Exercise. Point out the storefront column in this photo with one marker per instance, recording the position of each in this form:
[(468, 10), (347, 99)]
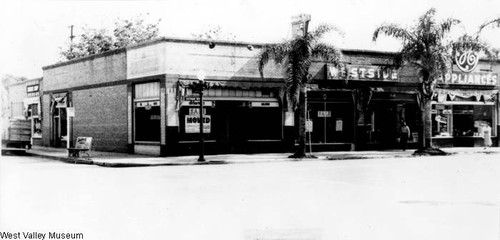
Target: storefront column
[(172, 120), (163, 93), (130, 117), (498, 119)]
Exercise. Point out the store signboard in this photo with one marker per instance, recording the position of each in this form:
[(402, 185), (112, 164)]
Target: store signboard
[(365, 73), (192, 123), (476, 78)]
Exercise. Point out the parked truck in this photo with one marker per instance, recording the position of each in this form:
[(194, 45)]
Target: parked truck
[(19, 134)]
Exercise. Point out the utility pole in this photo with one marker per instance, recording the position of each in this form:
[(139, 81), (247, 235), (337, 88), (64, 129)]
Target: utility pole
[(71, 36)]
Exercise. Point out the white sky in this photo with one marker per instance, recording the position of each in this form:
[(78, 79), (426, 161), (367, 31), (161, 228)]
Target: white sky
[(33, 31)]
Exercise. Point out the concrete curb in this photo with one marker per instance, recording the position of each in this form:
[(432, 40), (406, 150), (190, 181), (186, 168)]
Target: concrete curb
[(64, 159), (124, 165), (219, 162)]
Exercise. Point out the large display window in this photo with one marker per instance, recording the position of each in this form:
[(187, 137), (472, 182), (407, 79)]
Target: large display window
[(462, 120), (147, 112), (332, 122)]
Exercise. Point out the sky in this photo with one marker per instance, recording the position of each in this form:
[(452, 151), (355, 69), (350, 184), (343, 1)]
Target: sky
[(33, 32)]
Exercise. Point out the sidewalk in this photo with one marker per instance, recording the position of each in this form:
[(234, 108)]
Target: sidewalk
[(112, 159)]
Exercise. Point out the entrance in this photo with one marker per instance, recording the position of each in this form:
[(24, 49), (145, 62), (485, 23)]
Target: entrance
[(241, 128)]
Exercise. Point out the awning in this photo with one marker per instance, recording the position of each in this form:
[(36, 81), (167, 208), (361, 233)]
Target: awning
[(185, 84), (442, 95), (234, 84)]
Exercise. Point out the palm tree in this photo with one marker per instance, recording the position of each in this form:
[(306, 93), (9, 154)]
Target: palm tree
[(493, 23), (425, 45), (296, 56)]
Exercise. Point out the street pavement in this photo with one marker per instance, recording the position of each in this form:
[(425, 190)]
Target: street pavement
[(448, 197), (111, 159)]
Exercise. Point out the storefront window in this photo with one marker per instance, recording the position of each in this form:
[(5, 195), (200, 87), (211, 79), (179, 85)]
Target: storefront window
[(332, 122), (37, 127), (147, 119), (461, 120), (147, 112), (442, 118), (33, 110)]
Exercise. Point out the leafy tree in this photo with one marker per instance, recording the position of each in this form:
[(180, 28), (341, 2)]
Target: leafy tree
[(214, 33), (296, 56), (125, 33), (6, 81), (425, 45)]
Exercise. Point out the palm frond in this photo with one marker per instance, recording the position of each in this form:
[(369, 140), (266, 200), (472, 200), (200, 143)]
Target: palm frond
[(446, 26), (393, 30), (278, 52), (473, 43), (327, 52), (322, 29), (493, 23)]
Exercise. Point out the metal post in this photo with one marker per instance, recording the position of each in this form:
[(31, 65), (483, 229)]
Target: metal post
[(202, 140)]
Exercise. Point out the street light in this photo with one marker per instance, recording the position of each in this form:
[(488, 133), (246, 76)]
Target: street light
[(199, 87)]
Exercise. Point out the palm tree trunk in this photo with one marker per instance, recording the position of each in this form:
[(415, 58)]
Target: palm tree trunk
[(301, 150), (426, 124), (428, 127)]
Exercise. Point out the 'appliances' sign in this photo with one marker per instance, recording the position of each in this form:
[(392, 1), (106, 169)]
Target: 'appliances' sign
[(487, 79), (366, 73)]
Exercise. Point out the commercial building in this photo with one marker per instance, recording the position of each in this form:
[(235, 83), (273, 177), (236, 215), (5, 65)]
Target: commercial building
[(466, 100), (140, 99), (22, 101)]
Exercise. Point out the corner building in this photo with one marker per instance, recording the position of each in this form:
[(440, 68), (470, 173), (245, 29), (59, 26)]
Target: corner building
[(140, 99)]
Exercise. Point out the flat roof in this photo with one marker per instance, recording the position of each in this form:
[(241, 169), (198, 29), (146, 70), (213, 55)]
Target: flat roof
[(206, 41)]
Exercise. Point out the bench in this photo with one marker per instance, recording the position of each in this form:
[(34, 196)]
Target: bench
[(82, 146)]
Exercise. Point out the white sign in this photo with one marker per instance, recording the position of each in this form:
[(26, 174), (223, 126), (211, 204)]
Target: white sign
[(196, 111), (324, 114), (339, 125), (476, 78), (70, 111), (358, 72), (193, 124), (289, 119), (309, 125)]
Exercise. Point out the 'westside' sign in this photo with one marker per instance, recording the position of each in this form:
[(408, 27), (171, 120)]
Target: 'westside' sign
[(366, 73)]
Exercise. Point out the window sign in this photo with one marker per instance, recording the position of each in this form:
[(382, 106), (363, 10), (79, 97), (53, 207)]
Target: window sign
[(193, 123), (70, 111), (37, 127), (196, 111), (309, 125), (339, 125), (324, 114)]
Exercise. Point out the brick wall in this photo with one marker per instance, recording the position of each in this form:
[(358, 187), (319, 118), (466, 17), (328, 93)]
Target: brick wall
[(101, 113), (96, 69)]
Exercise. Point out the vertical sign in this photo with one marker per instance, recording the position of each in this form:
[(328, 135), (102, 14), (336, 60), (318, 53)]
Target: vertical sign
[(309, 125)]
